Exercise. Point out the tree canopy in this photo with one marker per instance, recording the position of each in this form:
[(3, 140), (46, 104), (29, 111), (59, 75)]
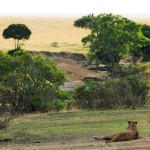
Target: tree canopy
[(17, 32), (111, 38), (146, 48), (25, 77)]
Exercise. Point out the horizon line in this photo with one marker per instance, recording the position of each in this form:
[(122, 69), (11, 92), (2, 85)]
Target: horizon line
[(128, 15)]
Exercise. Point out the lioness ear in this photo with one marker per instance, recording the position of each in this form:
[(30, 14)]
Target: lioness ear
[(129, 122), (135, 122)]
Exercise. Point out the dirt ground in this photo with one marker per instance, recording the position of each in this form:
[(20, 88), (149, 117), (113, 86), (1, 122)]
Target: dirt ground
[(140, 144), (75, 71)]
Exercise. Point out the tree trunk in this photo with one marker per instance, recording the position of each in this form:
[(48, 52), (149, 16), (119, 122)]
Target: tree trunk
[(112, 66), (15, 43), (134, 59)]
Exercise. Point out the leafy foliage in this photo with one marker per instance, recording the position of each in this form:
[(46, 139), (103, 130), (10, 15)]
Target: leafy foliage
[(112, 37), (26, 80), (6, 118), (84, 22), (122, 71), (146, 48), (130, 89)]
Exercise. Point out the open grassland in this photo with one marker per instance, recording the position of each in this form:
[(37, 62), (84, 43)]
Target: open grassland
[(73, 126), (47, 30)]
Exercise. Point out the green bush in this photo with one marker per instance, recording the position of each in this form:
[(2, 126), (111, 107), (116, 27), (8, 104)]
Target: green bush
[(64, 95), (55, 106), (18, 51), (146, 57), (121, 71), (113, 93), (63, 101), (58, 105), (70, 104), (37, 104), (28, 82)]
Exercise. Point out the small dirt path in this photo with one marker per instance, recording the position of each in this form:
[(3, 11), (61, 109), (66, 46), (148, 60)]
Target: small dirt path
[(140, 144)]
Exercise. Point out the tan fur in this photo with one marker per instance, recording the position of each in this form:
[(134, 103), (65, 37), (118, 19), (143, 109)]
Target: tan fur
[(129, 134)]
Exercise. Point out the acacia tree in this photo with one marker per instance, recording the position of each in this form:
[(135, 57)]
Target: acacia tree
[(111, 38), (17, 32)]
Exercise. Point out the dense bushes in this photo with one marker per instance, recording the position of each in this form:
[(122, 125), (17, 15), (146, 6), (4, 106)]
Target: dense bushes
[(31, 83), (122, 71), (131, 91), (28, 83)]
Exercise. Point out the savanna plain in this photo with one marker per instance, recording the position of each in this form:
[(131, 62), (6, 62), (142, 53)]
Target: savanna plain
[(74, 129)]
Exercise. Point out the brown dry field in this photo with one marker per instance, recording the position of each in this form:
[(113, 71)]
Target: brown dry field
[(45, 31)]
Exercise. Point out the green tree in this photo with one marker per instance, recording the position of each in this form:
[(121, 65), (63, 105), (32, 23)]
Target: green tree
[(107, 38), (136, 39), (25, 77), (146, 48), (111, 38), (85, 22), (146, 30), (17, 32)]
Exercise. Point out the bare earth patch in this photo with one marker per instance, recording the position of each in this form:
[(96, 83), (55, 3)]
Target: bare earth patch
[(140, 144), (75, 71)]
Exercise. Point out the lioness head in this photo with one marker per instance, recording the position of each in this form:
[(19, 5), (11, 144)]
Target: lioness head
[(132, 125)]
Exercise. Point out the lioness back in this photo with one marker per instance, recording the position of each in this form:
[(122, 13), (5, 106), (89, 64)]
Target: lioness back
[(129, 134)]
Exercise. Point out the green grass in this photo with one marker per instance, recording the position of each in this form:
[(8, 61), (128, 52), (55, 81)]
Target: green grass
[(70, 126)]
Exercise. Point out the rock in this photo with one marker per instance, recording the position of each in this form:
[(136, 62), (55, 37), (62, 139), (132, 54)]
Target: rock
[(93, 78)]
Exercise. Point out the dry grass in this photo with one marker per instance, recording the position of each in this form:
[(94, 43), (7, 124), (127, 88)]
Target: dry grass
[(45, 31), (143, 21)]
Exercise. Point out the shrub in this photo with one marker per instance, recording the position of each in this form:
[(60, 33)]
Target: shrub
[(121, 71), (6, 115), (54, 44), (64, 95), (62, 101), (28, 82), (58, 105), (70, 104), (37, 104), (18, 51), (113, 93)]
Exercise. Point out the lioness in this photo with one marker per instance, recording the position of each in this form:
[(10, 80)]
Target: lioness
[(129, 134)]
